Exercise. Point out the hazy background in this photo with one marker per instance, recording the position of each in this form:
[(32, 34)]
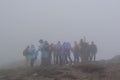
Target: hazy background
[(24, 22)]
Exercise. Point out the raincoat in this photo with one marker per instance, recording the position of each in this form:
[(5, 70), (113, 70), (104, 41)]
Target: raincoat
[(42, 48), (33, 54)]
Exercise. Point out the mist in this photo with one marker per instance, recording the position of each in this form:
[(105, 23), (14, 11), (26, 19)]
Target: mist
[(25, 22)]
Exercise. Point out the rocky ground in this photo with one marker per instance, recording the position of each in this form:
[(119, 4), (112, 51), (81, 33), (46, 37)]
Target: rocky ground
[(88, 71)]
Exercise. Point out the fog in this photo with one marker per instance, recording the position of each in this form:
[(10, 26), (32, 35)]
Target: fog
[(24, 22)]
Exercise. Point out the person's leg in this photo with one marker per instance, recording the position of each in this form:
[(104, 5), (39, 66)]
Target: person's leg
[(60, 59), (41, 61), (27, 60), (63, 59), (90, 57), (50, 59), (44, 61), (75, 58), (31, 62), (87, 57), (54, 58), (66, 58), (57, 58), (84, 57), (69, 57), (77, 55), (42, 58), (94, 57)]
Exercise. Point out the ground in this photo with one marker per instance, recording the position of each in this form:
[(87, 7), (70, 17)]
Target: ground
[(89, 71)]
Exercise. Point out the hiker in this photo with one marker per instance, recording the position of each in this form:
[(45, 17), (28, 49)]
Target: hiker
[(63, 56), (76, 52), (33, 55), (54, 53), (44, 55), (50, 51), (93, 51), (83, 50), (57, 53), (66, 53), (86, 54), (69, 52), (47, 52), (26, 53)]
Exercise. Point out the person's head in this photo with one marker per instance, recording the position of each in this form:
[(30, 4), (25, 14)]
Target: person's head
[(92, 42), (68, 42), (75, 42), (87, 43), (32, 46), (81, 41), (52, 44), (59, 42), (64, 42), (41, 41), (84, 39), (28, 46), (46, 42)]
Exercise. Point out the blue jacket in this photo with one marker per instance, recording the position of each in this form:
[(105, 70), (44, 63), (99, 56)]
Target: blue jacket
[(33, 54), (42, 48)]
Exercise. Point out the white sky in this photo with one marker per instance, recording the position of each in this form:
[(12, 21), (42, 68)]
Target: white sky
[(24, 22)]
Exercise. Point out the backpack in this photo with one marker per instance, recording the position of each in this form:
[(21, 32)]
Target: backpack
[(25, 52)]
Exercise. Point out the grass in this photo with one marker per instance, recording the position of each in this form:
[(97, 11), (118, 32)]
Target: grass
[(90, 68), (6, 71), (11, 70), (69, 75)]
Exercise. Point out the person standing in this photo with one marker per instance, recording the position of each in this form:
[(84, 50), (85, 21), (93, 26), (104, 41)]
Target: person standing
[(44, 55), (67, 49), (93, 51), (83, 51), (33, 55), (58, 52), (26, 53), (47, 52), (69, 52), (50, 51), (76, 51), (54, 54), (63, 55)]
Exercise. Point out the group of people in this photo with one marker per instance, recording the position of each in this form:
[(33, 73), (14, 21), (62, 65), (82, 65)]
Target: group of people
[(61, 53)]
